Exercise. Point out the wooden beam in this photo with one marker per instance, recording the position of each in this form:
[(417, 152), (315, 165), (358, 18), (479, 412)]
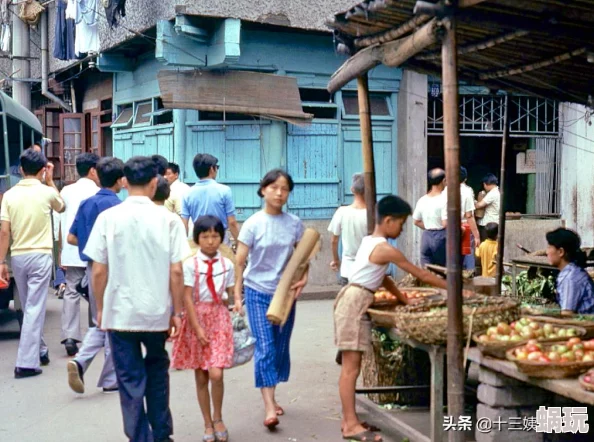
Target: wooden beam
[(479, 46), (392, 54), (501, 231), (532, 66), (451, 137), (367, 149)]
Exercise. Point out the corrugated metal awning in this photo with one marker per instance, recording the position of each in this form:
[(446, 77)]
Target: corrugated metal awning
[(242, 92)]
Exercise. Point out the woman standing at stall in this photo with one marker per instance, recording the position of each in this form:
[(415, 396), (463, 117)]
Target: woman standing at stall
[(267, 240)]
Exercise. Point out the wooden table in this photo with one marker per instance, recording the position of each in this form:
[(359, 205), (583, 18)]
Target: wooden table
[(436, 357), (569, 388)]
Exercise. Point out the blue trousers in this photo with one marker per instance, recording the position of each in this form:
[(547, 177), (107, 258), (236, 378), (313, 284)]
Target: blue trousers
[(143, 378), (433, 247), (272, 361)]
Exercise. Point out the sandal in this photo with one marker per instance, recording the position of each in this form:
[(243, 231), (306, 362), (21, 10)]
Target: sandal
[(364, 436), (220, 436), (209, 437)]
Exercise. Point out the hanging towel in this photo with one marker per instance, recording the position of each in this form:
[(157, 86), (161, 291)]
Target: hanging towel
[(64, 40), (114, 10), (87, 32), (5, 38)]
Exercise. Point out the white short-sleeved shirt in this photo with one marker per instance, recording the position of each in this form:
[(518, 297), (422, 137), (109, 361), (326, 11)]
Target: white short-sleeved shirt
[(466, 201), (492, 199), (138, 241), (428, 210), (366, 273), (73, 195), (351, 225), (222, 272), (271, 240)]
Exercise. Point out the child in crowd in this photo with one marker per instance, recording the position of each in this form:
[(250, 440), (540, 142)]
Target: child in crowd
[(205, 342), (575, 290), (351, 322), (487, 251)]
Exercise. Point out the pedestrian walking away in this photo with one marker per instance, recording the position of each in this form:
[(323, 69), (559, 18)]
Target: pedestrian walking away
[(267, 241), (141, 247), (26, 226), (207, 197), (86, 186), (111, 173), (349, 226), (205, 341), (427, 216), (352, 324)]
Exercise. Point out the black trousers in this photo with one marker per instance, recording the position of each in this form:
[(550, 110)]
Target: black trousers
[(143, 378)]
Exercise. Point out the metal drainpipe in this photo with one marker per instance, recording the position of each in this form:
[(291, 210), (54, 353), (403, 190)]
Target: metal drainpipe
[(45, 66)]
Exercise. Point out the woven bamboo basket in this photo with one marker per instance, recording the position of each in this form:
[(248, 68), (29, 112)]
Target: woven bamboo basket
[(499, 349), (427, 322), (549, 370), (427, 293), (30, 12), (585, 385), (585, 324)]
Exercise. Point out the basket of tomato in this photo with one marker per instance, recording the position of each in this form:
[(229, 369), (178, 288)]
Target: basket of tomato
[(553, 360), (587, 380)]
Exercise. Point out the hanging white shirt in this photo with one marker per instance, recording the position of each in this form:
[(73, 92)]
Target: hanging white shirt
[(138, 241), (73, 195)]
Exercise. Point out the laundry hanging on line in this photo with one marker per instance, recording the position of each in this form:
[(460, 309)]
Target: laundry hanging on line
[(64, 33), (114, 11)]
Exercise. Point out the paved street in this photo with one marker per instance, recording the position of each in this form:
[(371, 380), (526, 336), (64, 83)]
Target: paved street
[(45, 409)]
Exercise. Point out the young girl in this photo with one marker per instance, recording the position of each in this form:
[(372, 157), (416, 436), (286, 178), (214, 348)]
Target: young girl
[(205, 342), (268, 237), (575, 290)]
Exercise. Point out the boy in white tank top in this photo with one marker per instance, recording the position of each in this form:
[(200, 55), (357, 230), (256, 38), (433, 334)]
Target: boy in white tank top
[(352, 325)]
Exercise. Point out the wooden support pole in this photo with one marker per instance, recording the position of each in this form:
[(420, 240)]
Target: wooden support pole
[(456, 373), (501, 232), (392, 54), (393, 34), (367, 149)]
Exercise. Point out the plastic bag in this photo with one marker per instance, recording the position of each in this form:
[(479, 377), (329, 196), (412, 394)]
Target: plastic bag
[(244, 344)]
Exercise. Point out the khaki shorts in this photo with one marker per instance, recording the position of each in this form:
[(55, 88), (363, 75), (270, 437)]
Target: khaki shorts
[(352, 325)]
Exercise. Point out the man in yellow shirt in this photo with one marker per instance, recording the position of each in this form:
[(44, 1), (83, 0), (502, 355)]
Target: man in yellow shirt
[(178, 189), (25, 219), (487, 251)]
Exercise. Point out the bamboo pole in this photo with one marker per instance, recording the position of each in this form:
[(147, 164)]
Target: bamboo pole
[(480, 46), (501, 232), (532, 66), (454, 257), (393, 34), (367, 149)]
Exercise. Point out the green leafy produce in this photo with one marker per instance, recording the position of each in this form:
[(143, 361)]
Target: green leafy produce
[(531, 290)]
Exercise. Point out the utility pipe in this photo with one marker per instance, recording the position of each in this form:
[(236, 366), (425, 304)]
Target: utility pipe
[(21, 65), (45, 65)]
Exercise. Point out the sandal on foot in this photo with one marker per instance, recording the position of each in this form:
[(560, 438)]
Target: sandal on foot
[(279, 411), (209, 437), (364, 436), (221, 436), (370, 427), (271, 423)]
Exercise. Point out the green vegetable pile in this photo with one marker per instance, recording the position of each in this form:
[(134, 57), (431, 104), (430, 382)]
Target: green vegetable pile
[(536, 290)]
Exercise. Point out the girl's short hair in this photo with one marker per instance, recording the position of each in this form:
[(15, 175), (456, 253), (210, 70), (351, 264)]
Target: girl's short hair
[(207, 223), (570, 242), (271, 177)]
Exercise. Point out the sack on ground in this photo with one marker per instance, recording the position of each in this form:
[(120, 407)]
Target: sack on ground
[(244, 344)]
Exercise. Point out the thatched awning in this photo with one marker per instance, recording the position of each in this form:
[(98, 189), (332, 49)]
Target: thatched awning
[(537, 47), (242, 92)]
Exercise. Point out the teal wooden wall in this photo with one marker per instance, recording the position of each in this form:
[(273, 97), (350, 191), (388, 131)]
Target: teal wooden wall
[(321, 157)]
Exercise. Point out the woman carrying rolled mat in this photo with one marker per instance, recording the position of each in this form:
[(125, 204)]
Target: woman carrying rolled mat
[(267, 240)]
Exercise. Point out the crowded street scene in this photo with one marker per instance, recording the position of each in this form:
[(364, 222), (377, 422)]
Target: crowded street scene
[(296, 221)]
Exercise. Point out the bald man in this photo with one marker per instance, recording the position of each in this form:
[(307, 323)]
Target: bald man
[(427, 216)]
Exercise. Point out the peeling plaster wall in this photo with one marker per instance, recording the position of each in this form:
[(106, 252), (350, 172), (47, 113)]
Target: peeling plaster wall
[(577, 173)]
